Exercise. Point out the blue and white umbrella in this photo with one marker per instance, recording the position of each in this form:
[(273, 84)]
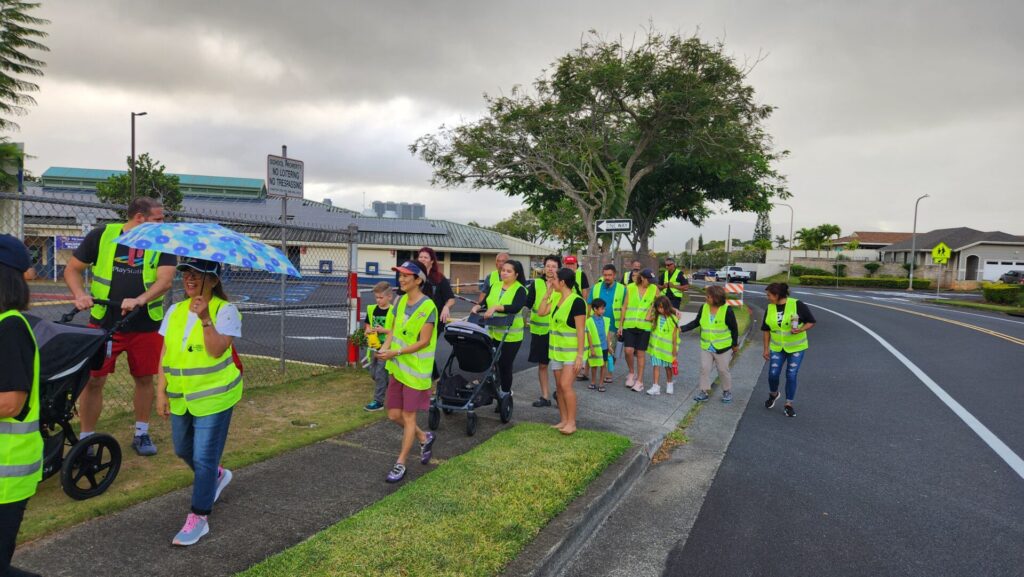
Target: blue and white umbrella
[(208, 241)]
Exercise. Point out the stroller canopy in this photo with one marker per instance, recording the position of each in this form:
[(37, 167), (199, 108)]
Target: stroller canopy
[(64, 350)]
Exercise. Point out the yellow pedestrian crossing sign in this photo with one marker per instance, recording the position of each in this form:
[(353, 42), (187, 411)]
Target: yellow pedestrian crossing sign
[(940, 254)]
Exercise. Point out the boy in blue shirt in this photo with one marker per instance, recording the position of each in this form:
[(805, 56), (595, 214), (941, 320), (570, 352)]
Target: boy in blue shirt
[(598, 329)]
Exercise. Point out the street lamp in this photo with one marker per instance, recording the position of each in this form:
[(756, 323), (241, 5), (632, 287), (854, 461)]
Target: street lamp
[(134, 114), (913, 244), (790, 268)]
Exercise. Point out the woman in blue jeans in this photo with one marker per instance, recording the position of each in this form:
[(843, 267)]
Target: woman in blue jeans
[(785, 326), (199, 385)]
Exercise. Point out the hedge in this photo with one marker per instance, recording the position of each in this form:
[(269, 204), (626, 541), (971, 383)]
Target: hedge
[(800, 270), (896, 283), (1002, 294)]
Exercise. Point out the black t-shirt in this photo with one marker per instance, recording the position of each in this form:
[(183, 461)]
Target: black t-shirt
[(440, 292), (379, 318), (126, 282), (802, 311), (17, 357), (579, 308)]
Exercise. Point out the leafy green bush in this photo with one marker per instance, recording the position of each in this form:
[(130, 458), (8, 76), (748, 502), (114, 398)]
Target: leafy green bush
[(798, 270), (872, 267), (1002, 294), (897, 283), (840, 269), (906, 267)]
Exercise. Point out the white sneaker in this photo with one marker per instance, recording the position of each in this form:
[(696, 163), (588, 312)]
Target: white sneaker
[(668, 388), (655, 390), (629, 380)]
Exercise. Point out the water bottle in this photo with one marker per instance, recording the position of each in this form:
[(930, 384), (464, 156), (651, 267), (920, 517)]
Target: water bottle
[(794, 323), (611, 363), (675, 367)]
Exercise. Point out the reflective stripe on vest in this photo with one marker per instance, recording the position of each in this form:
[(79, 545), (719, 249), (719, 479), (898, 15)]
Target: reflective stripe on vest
[(541, 325), (563, 344), (21, 443), (781, 338), (714, 333), (496, 297), (595, 354), (103, 272), (638, 307), (196, 382), (412, 370), (660, 346)]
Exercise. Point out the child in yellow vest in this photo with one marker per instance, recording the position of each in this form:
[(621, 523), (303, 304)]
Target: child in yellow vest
[(598, 333), (664, 345), (376, 317)]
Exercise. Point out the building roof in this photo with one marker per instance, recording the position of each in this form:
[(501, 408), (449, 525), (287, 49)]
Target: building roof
[(191, 184), (955, 238), (873, 238)]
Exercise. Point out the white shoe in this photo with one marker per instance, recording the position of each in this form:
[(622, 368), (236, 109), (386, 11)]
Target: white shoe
[(654, 391), (629, 380), (668, 388)]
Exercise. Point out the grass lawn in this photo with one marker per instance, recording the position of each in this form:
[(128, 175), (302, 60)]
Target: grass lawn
[(979, 306), (470, 516), (269, 420), (781, 277)]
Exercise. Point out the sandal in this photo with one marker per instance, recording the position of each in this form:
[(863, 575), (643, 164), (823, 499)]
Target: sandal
[(600, 389), (608, 380), (591, 386)]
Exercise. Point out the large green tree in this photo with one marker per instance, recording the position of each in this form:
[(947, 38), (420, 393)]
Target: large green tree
[(19, 32), (150, 180), (599, 128), (523, 224)]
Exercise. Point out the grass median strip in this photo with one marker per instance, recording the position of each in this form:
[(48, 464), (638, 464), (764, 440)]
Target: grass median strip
[(268, 421), (470, 516)]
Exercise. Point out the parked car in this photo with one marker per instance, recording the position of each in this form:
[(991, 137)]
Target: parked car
[(733, 274), (701, 274), (1013, 277)]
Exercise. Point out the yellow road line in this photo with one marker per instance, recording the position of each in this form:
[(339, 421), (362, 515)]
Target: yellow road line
[(991, 332)]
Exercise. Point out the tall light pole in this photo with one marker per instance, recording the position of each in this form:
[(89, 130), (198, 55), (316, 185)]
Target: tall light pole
[(134, 114), (913, 244), (788, 269)]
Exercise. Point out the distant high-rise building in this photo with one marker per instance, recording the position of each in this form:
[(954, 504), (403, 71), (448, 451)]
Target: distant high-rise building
[(398, 209)]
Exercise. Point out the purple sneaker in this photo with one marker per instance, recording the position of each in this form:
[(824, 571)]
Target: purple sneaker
[(426, 449), (396, 474)]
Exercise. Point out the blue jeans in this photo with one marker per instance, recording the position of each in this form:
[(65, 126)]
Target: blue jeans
[(199, 441), (792, 361)]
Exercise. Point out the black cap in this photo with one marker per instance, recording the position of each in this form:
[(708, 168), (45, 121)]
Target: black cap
[(14, 254), (647, 274), (200, 265)]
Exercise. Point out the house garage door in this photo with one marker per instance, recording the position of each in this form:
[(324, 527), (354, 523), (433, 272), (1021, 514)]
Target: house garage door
[(997, 268)]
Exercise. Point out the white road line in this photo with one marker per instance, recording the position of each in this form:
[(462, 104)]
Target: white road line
[(1004, 452)]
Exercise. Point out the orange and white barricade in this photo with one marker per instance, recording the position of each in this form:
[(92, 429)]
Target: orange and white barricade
[(734, 293)]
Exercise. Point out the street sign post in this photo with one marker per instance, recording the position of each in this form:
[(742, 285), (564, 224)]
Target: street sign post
[(284, 176), (940, 254), (615, 225)]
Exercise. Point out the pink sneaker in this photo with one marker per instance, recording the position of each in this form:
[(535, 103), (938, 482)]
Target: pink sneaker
[(638, 387), (629, 380)]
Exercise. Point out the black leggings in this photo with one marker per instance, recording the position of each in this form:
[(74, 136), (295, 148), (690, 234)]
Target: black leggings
[(508, 358), (10, 521)]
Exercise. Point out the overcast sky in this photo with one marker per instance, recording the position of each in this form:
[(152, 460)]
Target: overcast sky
[(878, 102)]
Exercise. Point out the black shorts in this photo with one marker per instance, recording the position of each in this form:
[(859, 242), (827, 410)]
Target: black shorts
[(636, 339), (539, 349)]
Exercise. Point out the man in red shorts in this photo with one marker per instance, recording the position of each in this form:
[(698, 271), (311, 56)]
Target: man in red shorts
[(138, 279)]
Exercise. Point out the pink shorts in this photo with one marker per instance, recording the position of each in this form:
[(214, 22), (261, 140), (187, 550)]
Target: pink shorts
[(408, 399)]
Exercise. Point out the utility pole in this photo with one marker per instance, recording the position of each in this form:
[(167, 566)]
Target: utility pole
[(913, 244)]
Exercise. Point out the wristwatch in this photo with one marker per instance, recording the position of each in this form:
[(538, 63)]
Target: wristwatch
[(207, 324)]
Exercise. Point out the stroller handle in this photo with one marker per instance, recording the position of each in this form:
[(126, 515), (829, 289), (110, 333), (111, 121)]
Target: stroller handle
[(502, 321), (70, 315)]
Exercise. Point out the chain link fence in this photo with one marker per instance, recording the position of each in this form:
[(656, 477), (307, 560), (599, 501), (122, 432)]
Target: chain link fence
[(292, 327)]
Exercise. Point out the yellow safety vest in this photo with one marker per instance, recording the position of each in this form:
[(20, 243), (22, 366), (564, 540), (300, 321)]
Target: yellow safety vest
[(103, 272), (636, 313), (661, 346), (714, 333), (674, 280), (781, 338), (413, 370), (541, 325), (495, 297), (563, 343), (595, 354), (617, 299), (21, 443), (197, 383)]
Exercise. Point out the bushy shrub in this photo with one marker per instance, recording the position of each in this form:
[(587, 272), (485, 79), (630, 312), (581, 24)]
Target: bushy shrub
[(906, 267), (799, 270), (1002, 294), (840, 269), (872, 267), (896, 283)]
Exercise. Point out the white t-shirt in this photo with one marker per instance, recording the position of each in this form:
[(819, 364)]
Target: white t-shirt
[(228, 323)]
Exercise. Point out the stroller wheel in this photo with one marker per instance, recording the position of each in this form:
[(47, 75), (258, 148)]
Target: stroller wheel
[(91, 466), (505, 409), (433, 418), (470, 424)]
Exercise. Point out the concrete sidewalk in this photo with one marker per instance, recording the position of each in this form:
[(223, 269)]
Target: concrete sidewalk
[(276, 504)]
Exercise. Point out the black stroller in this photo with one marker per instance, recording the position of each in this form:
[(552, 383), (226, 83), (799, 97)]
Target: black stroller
[(474, 383), (66, 354)]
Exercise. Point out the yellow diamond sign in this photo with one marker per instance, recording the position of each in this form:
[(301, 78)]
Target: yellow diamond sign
[(940, 254)]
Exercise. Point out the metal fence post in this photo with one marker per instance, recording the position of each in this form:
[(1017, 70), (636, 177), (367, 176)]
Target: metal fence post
[(353, 291), (284, 249)]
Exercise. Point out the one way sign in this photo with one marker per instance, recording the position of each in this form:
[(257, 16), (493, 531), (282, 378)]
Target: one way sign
[(613, 225)]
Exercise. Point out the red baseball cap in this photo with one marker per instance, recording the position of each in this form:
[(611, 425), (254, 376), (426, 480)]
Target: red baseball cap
[(570, 259)]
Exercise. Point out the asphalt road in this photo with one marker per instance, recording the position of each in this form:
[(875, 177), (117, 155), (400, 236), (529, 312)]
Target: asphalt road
[(877, 475)]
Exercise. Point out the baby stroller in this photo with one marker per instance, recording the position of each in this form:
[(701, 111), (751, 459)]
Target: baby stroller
[(475, 382), (66, 354)]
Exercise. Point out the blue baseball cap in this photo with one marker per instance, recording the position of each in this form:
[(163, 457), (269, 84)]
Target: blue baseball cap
[(200, 265), (410, 267), (14, 254)]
